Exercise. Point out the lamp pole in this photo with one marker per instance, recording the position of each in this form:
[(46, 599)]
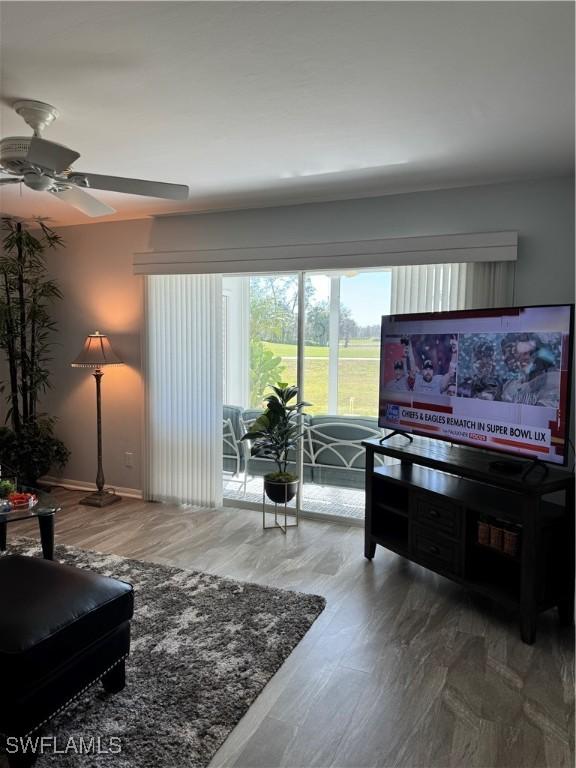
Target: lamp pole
[(98, 373), (95, 354)]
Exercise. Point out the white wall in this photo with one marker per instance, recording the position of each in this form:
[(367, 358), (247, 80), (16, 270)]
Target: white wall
[(95, 273)]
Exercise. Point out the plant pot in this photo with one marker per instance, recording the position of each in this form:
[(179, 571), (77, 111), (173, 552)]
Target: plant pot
[(280, 492)]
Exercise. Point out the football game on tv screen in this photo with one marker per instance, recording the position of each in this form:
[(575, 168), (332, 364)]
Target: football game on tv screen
[(495, 379)]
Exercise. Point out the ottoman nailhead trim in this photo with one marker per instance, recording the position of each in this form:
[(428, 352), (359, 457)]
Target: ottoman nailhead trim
[(73, 698)]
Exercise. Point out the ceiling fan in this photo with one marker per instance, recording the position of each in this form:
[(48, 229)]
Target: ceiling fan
[(44, 166)]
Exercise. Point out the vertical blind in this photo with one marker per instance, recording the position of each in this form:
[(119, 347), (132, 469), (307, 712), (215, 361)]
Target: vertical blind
[(442, 287), (184, 407)]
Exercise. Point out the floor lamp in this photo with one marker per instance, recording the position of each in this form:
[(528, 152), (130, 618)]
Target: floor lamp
[(97, 353)]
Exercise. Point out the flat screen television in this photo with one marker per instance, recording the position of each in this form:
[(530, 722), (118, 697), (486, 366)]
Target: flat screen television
[(494, 378)]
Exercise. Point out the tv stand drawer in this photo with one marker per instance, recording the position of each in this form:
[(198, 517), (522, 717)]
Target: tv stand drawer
[(440, 515), (436, 551)]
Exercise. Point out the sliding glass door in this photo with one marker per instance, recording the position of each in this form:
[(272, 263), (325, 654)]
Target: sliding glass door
[(260, 326), (339, 379), (341, 355)]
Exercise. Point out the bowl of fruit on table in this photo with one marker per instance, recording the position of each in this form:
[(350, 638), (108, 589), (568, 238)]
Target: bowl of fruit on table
[(21, 500)]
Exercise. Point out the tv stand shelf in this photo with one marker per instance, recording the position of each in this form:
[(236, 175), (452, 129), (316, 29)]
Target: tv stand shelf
[(436, 502)]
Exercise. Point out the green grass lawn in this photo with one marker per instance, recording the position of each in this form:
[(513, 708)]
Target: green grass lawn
[(357, 378), (356, 348)]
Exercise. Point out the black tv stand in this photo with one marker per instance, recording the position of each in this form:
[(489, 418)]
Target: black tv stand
[(536, 464), (525, 469), (394, 433), (508, 467), (444, 507)]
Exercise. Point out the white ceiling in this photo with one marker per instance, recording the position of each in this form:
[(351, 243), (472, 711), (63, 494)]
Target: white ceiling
[(254, 103)]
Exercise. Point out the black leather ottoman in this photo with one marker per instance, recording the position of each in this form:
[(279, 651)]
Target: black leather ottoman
[(61, 630)]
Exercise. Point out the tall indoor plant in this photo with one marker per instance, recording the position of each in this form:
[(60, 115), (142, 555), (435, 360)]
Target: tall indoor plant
[(273, 435), (28, 445)]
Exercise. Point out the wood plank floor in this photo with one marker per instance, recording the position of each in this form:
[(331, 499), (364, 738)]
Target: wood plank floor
[(403, 668)]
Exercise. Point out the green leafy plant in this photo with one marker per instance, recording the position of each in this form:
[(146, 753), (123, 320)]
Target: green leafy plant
[(32, 451), (6, 487), (276, 432), (26, 338), (265, 366)]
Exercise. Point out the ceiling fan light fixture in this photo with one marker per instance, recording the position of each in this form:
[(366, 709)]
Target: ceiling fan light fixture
[(38, 182)]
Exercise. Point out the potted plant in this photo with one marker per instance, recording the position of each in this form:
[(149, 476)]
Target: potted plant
[(273, 435), (6, 488), (27, 331)]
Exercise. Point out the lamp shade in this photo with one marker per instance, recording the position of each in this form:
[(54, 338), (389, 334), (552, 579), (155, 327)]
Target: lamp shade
[(96, 353)]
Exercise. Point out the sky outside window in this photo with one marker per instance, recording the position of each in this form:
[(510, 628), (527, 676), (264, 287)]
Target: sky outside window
[(365, 294)]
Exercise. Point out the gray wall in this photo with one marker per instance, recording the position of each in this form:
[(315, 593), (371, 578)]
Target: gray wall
[(101, 293), (542, 211)]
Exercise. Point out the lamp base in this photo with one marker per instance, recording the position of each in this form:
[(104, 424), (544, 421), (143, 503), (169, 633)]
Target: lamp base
[(100, 499)]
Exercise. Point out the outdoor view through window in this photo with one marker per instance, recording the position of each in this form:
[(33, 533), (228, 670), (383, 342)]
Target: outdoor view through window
[(341, 376), (342, 338)]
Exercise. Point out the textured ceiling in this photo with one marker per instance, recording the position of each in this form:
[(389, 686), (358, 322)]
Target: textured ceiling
[(268, 103)]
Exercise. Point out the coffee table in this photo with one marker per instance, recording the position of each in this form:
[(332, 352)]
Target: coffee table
[(43, 511)]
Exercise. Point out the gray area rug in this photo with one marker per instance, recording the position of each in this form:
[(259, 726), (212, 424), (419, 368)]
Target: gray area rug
[(203, 648)]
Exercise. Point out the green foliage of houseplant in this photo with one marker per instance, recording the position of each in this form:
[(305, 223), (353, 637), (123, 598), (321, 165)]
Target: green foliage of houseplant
[(32, 451), (6, 487), (28, 445), (276, 432)]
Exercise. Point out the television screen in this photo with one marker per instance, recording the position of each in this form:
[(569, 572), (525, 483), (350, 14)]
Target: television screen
[(495, 378)]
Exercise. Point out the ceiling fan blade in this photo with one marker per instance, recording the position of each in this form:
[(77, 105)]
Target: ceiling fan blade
[(84, 202), (132, 186), (49, 155), (10, 181)]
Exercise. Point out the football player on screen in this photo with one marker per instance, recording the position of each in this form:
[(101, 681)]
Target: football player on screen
[(426, 380), (537, 380)]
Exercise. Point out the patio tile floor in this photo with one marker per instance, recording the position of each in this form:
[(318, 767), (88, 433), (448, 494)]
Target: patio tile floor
[(320, 499)]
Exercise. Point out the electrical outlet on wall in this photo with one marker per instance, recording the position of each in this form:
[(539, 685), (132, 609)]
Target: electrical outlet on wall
[(128, 459)]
